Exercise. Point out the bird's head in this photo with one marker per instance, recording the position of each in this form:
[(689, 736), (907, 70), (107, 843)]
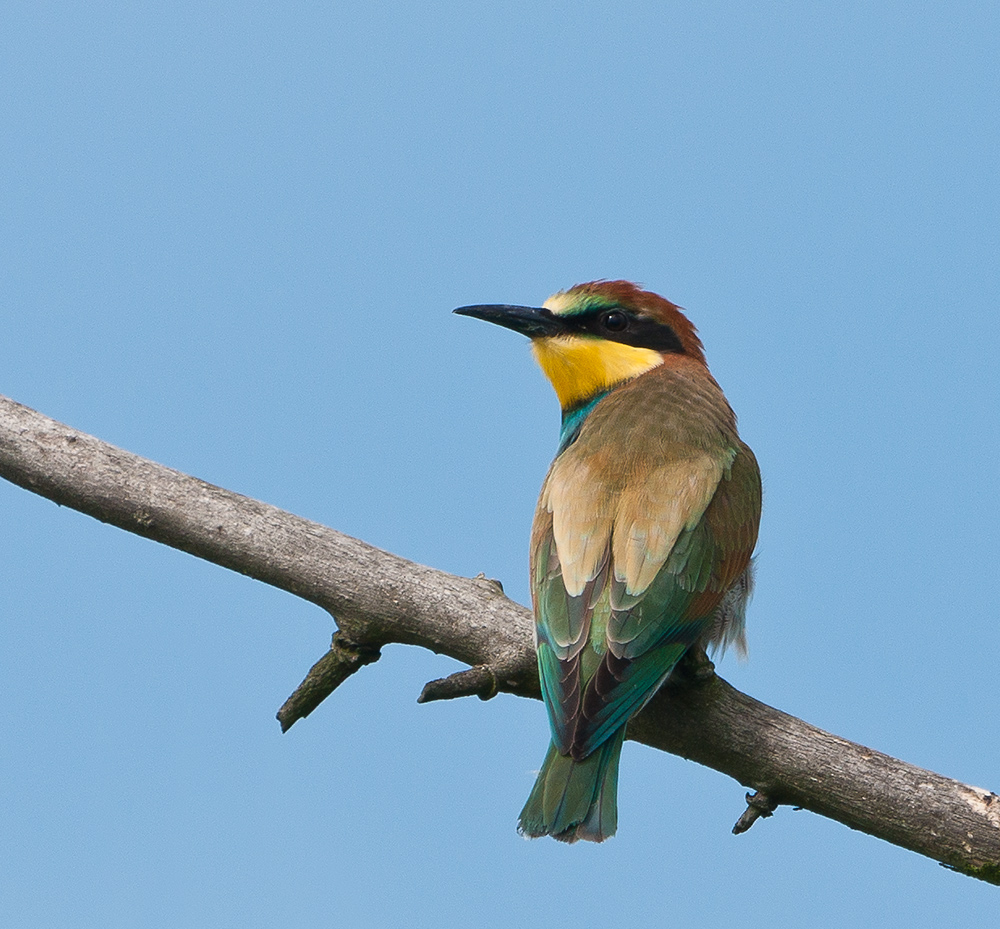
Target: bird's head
[(595, 336)]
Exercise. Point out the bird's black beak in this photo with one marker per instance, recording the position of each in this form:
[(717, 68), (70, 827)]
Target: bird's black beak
[(532, 321)]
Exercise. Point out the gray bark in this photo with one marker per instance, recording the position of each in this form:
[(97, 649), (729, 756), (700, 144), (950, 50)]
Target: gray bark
[(377, 598)]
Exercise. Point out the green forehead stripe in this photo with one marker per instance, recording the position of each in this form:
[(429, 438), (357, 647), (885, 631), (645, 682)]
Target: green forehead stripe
[(570, 304)]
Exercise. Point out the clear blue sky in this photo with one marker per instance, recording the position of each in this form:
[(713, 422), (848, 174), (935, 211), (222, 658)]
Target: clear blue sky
[(231, 238)]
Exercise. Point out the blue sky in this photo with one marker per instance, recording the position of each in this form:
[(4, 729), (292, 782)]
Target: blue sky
[(232, 235)]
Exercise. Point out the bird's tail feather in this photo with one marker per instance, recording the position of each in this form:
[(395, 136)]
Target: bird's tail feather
[(574, 800)]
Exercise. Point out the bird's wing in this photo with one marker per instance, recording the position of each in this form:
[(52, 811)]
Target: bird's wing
[(634, 569), (570, 558), (733, 518), (650, 629)]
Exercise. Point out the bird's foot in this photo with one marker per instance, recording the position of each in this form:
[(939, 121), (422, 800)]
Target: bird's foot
[(695, 667)]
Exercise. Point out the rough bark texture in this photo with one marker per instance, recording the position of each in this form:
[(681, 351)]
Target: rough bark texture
[(377, 598)]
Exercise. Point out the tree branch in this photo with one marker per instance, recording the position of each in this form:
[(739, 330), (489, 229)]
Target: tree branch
[(324, 677), (378, 598)]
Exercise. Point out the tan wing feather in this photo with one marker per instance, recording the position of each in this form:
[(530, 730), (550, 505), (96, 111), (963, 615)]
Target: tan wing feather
[(651, 515), (582, 508)]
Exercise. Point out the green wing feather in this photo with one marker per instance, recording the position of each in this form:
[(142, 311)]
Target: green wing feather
[(646, 639)]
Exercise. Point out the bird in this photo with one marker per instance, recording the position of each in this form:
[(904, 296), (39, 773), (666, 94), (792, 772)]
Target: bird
[(642, 541)]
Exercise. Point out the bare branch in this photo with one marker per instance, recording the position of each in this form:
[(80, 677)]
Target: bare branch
[(479, 681), (378, 598), (336, 666), (759, 806)]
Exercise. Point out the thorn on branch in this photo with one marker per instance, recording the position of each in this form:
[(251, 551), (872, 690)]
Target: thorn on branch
[(489, 580), (479, 681), (758, 805), (336, 666)]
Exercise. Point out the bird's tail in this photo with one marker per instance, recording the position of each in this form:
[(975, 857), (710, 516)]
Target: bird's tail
[(574, 800)]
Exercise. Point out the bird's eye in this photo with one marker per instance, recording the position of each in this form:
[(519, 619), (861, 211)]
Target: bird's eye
[(614, 321)]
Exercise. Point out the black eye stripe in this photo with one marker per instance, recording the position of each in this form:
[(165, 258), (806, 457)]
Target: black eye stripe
[(629, 329)]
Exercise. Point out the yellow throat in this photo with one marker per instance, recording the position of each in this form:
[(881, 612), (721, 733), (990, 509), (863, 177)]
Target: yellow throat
[(580, 367)]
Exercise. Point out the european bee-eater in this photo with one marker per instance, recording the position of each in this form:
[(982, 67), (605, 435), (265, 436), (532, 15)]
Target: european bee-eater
[(642, 539)]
